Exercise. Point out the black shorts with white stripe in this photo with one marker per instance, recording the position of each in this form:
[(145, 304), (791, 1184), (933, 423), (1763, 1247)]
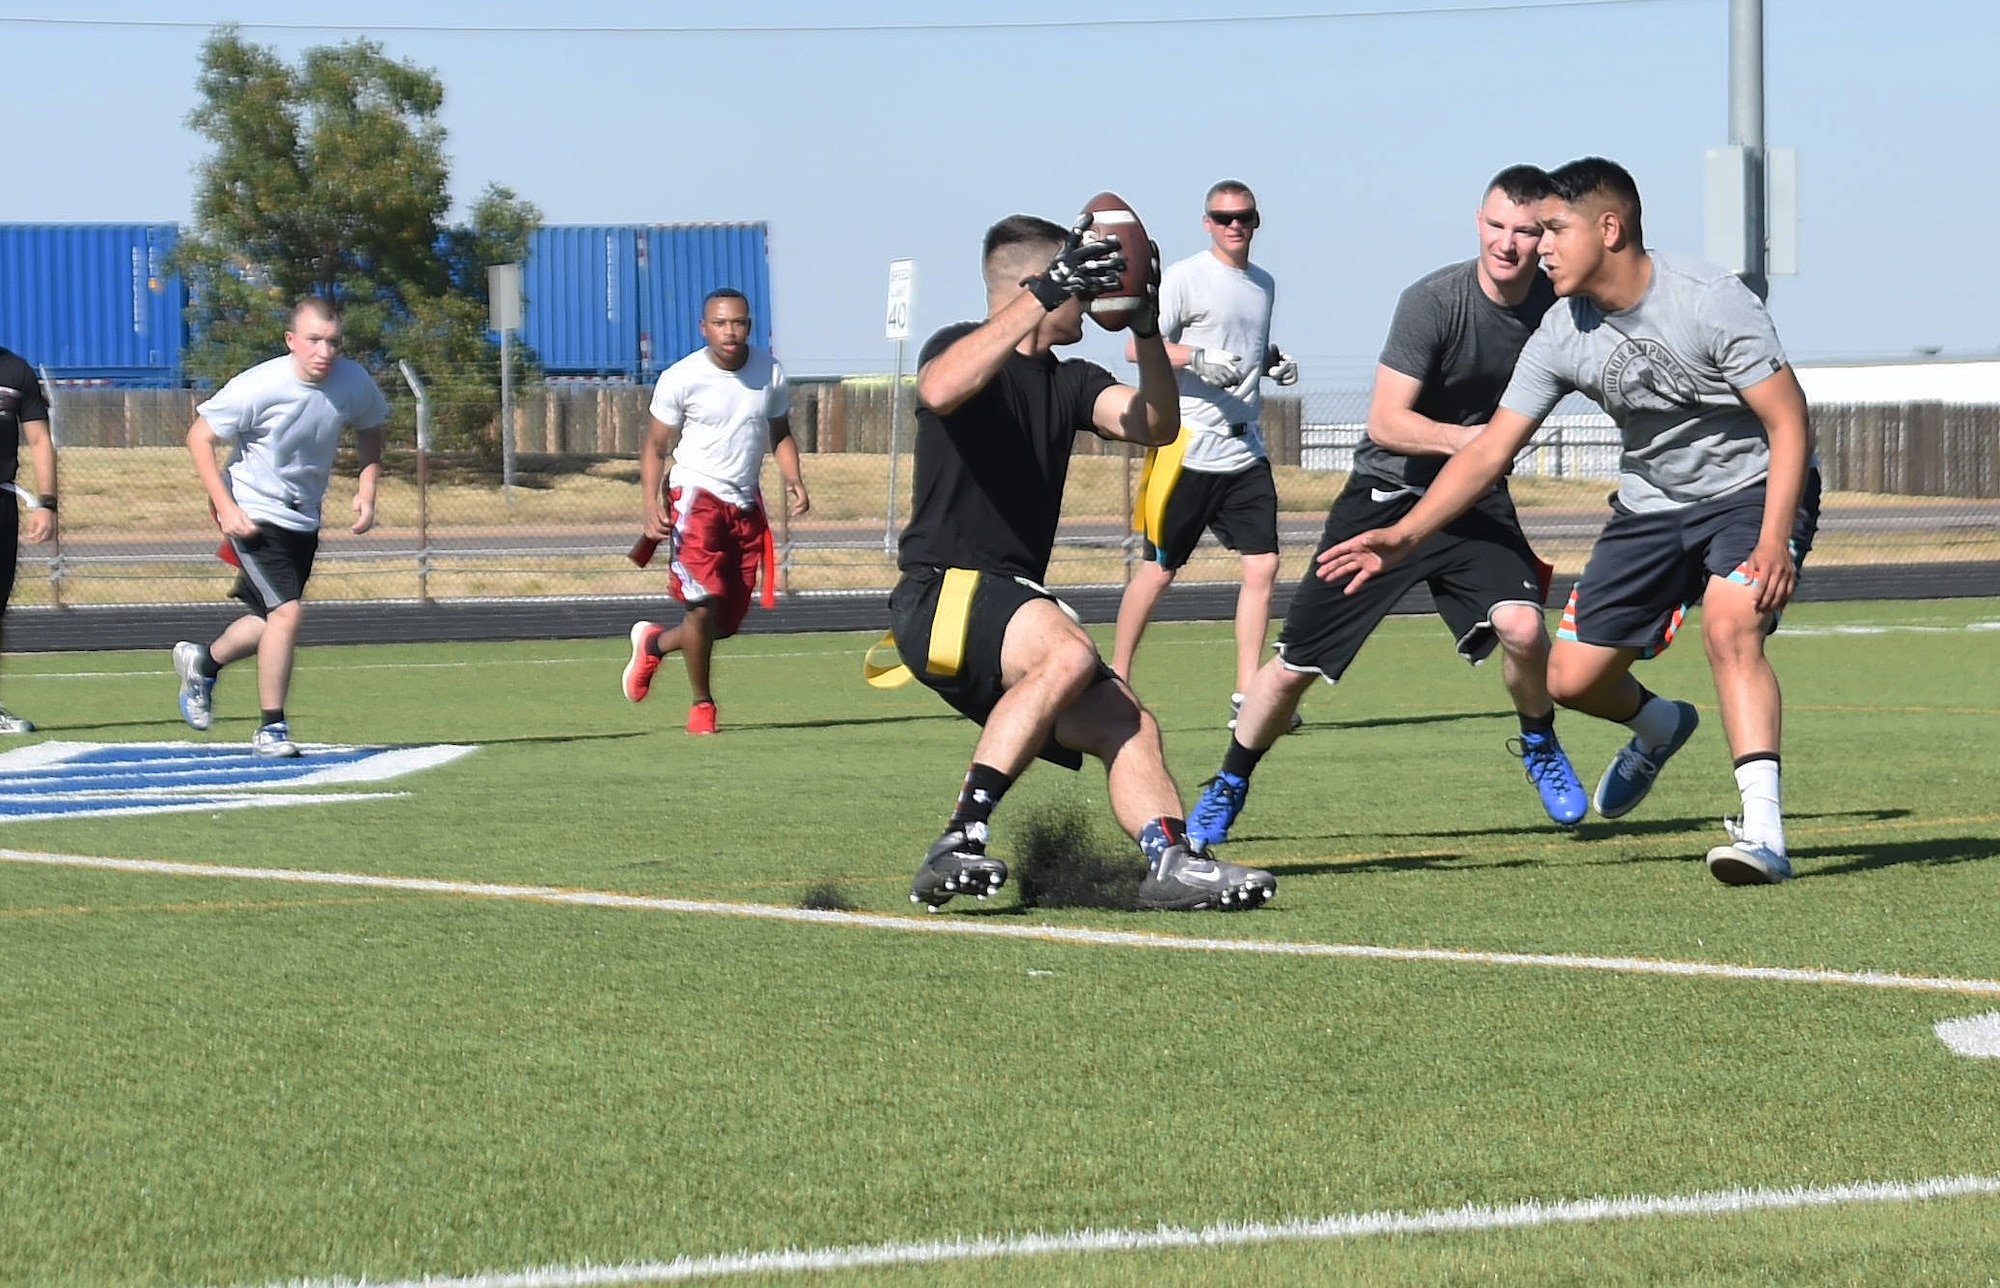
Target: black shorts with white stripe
[(273, 566)]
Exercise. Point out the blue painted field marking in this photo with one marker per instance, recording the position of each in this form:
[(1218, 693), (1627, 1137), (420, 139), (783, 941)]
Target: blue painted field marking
[(54, 780)]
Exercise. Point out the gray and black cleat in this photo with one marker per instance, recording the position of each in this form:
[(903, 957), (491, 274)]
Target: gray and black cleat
[(1183, 881), (957, 864)]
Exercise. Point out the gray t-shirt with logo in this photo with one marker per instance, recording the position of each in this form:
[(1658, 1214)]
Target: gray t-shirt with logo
[(1461, 345), (1667, 371)]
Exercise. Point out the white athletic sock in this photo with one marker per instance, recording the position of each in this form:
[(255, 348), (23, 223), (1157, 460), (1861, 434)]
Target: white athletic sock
[(1763, 816), (1656, 723)]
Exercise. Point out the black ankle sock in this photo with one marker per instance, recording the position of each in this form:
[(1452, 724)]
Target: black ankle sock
[(1239, 759), (983, 788), (274, 717), (1538, 724), (208, 667), (1645, 695)]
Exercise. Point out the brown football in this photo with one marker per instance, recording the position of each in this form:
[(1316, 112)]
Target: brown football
[(1113, 216)]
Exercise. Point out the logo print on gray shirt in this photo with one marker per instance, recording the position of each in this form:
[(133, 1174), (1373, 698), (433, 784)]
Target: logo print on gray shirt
[(1643, 375)]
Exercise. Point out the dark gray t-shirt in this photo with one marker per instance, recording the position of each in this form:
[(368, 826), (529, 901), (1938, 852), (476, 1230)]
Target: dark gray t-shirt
[(1461, 346), (1667, 370)]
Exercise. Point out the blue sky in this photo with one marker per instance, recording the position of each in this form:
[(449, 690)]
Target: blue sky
[(1367, 137)]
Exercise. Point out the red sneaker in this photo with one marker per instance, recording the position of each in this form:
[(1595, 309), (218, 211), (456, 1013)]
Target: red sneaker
[(639, 671), (701, 718)]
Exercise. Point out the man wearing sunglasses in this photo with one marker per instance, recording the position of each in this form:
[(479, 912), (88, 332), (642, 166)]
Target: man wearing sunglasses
[(1451, 349), (1215, 312)]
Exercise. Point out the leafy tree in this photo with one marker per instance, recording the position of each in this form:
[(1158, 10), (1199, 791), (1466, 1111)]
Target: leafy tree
[(330, 178)]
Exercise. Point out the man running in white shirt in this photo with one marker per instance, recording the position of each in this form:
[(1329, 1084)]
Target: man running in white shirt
[(716, 412), (282, 420)]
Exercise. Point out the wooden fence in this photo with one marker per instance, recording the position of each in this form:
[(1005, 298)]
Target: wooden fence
[(1913, 449)]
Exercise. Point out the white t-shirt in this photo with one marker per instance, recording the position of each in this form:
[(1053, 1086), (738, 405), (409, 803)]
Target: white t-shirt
[(724, 419), (283, 432), (1212, 305)]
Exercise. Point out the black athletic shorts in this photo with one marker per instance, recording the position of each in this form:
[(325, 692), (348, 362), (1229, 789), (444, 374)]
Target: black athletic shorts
[(273, 566), (1648, 569), (10, 544), (1241, 509), (950, 626), (1476, 563)]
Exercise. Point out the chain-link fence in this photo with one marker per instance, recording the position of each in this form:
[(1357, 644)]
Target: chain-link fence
[(1915, 485)]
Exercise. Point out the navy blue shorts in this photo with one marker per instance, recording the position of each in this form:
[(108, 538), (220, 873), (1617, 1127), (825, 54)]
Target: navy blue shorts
[(1647, 569)]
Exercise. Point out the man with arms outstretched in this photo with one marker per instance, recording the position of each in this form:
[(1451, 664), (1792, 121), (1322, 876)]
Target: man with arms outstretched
[(1450, 351), (1717, 497), (997, 416)]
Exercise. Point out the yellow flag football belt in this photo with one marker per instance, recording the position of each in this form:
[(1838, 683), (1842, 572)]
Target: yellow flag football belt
[(949, 625)]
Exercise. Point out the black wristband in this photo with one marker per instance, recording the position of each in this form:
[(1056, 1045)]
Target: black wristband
[(1046, 293), (49, 503)]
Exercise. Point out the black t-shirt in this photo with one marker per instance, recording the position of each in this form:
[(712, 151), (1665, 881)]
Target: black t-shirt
[(990, 475), (21, 399), (1448, 334)]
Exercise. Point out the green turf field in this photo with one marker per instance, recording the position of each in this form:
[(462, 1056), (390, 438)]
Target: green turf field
[(243, 1081)]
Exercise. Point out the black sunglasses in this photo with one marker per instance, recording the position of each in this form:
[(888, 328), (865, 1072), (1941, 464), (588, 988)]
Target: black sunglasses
[(1248, 218)]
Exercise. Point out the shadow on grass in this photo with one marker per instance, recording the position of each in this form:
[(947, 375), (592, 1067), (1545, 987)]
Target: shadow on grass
[(1400, 863), (855, 723), (1589, 830), (1383, 722), (1865, 857)]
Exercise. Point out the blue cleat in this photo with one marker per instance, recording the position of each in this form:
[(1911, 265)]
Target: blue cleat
[(1632, 771), (1549, 770), (1221, 801)]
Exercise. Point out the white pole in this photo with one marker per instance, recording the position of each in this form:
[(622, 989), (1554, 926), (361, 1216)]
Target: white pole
[(423, 481), (895, 449)]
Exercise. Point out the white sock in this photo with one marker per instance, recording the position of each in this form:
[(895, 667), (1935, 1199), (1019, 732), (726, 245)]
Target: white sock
[(1763, 816), (1655, 723)]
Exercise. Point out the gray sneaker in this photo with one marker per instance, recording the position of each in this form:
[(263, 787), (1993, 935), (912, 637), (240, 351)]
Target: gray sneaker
[(1183, 881), (957, 864), (11, 723), (196, 688), (1747, 862), (274, 739)]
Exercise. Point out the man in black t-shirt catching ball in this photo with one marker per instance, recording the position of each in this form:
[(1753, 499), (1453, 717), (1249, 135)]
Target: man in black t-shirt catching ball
[(996, 419)]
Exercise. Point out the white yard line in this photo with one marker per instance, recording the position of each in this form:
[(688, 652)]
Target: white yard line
[(1471, 1218), (1049, 934)]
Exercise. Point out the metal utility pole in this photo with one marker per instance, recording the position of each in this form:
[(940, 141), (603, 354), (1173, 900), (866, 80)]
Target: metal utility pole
[(1746, 131)]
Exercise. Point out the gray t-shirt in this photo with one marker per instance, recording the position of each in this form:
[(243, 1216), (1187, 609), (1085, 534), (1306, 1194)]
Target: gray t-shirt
[(1212, 305), (1461, 345), (1667, 370), (284, 431)]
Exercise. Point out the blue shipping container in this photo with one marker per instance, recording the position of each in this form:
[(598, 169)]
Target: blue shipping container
[(681, 263), (580, 308), (93, 301)]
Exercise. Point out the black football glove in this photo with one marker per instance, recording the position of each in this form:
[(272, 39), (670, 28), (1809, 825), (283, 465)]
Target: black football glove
[(1087, 265), (1146, 318)]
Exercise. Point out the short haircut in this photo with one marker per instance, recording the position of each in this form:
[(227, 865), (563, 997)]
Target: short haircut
[(1522, 184), (723, 293), (317, 305), (1606, 180), (1235, 187), (1021, 230), (1016, 246)]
